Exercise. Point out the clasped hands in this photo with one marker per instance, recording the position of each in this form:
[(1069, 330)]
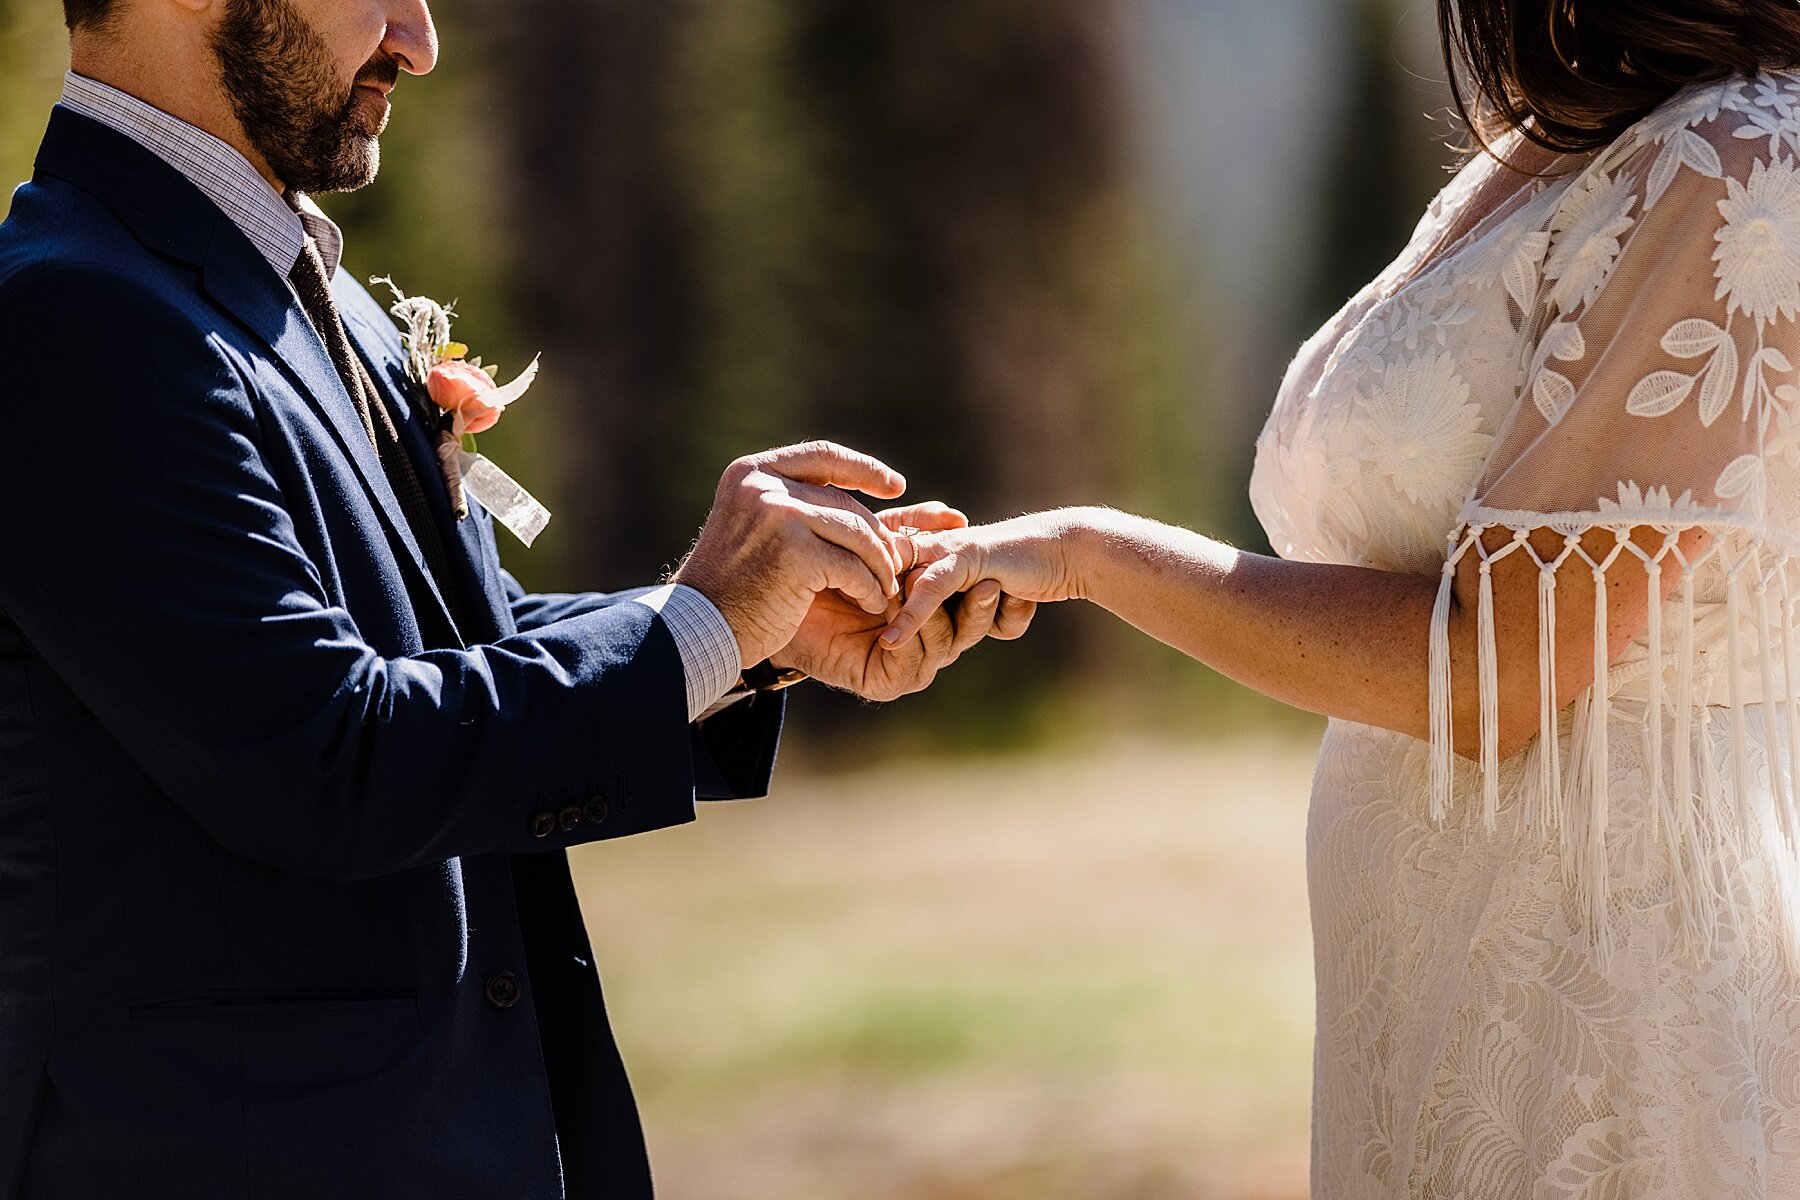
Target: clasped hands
[(810, 578)]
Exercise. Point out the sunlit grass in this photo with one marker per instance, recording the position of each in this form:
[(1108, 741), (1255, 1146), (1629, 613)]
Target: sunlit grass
[(1079, 976)]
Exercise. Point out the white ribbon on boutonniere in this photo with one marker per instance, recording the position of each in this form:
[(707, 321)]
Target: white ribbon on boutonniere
[(471, 400)]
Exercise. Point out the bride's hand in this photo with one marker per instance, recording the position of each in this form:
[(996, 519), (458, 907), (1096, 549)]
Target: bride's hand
[(916, 523), (1029, 557), (837, 641)]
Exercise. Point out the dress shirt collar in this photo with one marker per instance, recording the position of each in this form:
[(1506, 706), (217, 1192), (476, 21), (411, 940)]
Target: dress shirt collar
[(222, 174)]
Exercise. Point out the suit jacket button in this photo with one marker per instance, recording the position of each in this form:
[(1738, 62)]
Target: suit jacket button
[(595, 809), (543, 825), (569, 817), (503, 989)]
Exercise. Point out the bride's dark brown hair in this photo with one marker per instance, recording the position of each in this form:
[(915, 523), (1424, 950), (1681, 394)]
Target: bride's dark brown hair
[(1575, 74)]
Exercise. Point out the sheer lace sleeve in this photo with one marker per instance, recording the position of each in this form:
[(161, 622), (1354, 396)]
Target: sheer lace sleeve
[(1658, 400)]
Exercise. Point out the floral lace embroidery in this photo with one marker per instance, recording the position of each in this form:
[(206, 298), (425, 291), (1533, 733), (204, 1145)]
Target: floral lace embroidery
[(1572, 973)]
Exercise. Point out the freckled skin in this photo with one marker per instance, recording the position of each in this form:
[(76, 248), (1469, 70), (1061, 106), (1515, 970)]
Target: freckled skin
[(1346, 642)]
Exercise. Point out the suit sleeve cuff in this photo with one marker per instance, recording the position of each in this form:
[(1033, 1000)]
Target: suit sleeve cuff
[(708, 648)]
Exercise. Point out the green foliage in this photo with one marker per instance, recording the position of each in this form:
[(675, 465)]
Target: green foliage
[(34, 53)]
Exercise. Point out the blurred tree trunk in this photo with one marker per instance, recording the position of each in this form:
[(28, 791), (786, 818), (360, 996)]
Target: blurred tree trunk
[(1378, 172), (911, 225), (598, 279)]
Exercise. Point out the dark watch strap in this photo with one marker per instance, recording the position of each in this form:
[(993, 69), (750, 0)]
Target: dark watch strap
[(765, 676)]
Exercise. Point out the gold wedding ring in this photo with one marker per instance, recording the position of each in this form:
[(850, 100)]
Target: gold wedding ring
[(909, 533)]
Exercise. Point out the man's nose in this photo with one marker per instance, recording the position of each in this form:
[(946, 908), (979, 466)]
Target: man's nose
[(411, 38)]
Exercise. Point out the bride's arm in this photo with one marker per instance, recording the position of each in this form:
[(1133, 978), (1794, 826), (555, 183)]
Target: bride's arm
[(1348, 642)]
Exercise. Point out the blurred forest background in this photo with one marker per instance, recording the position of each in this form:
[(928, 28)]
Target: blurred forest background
[(1030, 252)]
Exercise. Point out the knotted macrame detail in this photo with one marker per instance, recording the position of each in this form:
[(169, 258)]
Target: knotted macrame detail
[(1666, 696)]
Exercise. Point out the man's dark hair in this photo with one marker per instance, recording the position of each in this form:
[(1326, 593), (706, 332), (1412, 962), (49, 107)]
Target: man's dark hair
[(88, 14)]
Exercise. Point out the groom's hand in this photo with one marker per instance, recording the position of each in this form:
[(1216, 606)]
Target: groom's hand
[(838, 642), (782, 531)]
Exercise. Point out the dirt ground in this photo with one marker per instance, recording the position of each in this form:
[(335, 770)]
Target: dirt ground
[(1027, 979)]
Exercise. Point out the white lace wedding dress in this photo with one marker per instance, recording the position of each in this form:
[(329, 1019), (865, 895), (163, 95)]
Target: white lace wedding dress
[(1571, 973)]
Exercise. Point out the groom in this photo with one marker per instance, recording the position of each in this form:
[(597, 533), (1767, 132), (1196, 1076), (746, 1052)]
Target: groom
[(288, 763)]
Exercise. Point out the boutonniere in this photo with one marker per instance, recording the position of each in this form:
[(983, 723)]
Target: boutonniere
[(469, 399)]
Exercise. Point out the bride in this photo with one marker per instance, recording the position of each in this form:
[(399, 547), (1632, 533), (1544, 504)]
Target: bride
[(1536, 496)]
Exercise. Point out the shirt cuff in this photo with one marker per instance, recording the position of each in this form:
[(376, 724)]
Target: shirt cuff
[(708, 648)]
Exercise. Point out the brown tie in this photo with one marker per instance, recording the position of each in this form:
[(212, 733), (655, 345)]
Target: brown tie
[(310, 284)]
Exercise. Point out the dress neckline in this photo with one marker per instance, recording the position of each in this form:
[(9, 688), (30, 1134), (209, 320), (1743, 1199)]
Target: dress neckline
[(1482, 212), (1466, 190)]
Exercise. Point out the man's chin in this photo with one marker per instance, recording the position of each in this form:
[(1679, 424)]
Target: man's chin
[(355, 166), (366, 165)]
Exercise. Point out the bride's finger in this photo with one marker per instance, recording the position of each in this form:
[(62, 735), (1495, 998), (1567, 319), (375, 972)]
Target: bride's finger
[(932, 516), (929, 547), (930, 588)]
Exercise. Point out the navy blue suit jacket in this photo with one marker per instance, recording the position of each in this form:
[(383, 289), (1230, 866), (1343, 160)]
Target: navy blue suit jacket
[(284, 904)]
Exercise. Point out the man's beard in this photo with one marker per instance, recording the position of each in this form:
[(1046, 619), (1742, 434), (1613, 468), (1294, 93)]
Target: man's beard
[(284, 88)]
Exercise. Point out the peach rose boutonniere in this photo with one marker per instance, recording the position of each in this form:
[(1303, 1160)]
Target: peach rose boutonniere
[(469, 399)]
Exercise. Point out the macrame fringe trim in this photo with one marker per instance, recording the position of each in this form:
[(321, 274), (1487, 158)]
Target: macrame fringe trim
[(1706, 821)]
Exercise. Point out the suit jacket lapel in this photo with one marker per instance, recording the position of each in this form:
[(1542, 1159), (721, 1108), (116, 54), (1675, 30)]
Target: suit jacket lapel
[(378, 341), (170, 215), (241, 281)]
